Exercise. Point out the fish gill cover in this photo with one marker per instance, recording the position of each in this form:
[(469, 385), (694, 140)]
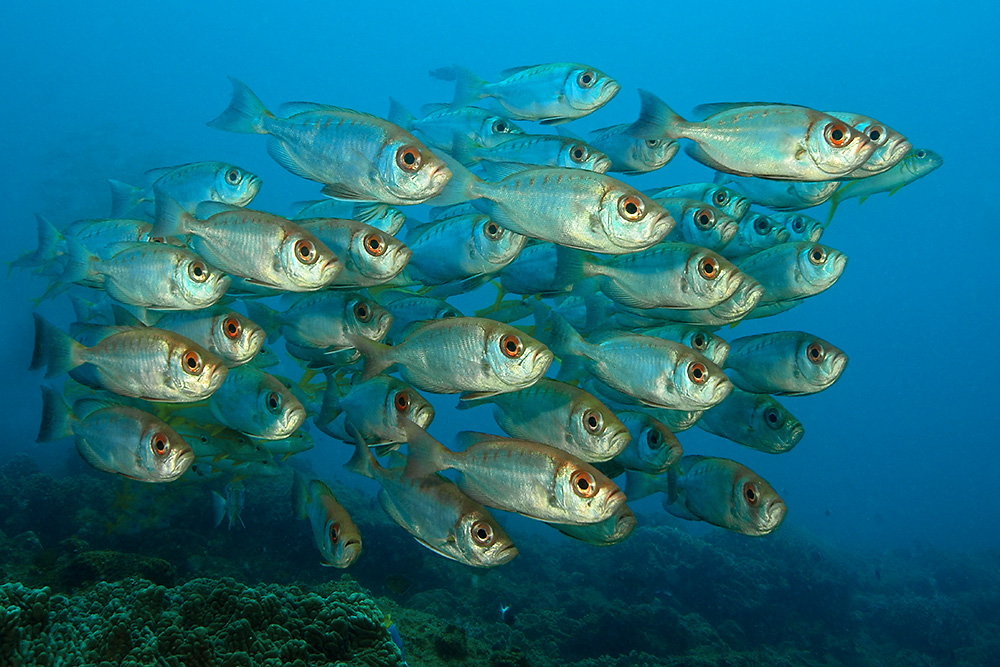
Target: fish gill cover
[(243, 339)]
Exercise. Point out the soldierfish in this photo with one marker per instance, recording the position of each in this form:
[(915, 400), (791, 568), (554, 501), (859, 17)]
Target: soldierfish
[(800, 227), (699, 223), (791, 271), (369, 255), (780, 195), (334, 532), (534, 149), (460, 248), (441, 124), (652, 448), (636, 148), (785, 363), (756, 232), (753, 420), (323, 320), (729, 201), (188, 184), (373, 408), (257, 404)]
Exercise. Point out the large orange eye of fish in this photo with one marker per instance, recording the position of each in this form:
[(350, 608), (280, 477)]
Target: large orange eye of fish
[(273, 402), (875, 132), (654, 439), (482, 533), (198, 272), (750, 493), (708, 268), (583, 484), (408, 158), (362, 312), (721, 198), (652, 143), (772, 417), (586, 79), (305, 251), (814, 353), (704, 218), (838, 135), (578, 153), (334, 533), (501, 127), (593, 421), (817, 255), (233, 177), (159, 444), (191, 362), (631, 208), (511, 346), (697, 372), (402, 401), (494, 232), (231, 327), (375, 245), (699, 341)]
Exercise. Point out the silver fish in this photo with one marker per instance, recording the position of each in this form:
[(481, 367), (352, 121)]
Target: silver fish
[(370, 256), (334, 532), (699, 223), (605, 533), (890, 146), (323, 321), (742, 303), (652, 448), (800, 227), (534, 272), (218, 329), (794, 270), (380, 216), (701, 341), (373, 408), (407, 308), (756, 232), (534, 149), (780, 195), (729, 201), (257, 404), (784, 363), (639, 147), (189, 184), (753, 420), (460, 248), (916, 164), (441, 124)]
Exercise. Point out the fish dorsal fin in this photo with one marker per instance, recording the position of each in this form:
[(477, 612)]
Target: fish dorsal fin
[(703, 111), (293, 108), (497, 171), (156, 174), (511, 71), (569, 134), (207, 209), (434, 107), (466, 439)]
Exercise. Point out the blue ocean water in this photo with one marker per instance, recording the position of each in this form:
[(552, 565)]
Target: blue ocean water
[(902, 450)]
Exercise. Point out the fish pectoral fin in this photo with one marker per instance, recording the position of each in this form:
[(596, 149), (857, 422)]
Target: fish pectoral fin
[(473, 395), (340, 191), (279, 153)]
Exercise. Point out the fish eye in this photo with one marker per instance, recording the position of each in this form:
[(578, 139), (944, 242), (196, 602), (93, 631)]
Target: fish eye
[(798, 225), (772, 417), (875, 132), (921, 154), (631, 208), (699, 341), (815, 353), (408, 158), (374, 245), (511, 346), (494, 232), (273, 402), (761, 225), (305, 251), (578, 153), (197, 271), (697, 372), (160, 444), (750, 493), (583, 484), (721, 198), (231, 328), (402, 401), (482, 533), (233, 177), (817, 255), (191, 362), (501, 127), (704, 218), (838, 135), (592, 421), (654, 439), (586, 79), (362, 311), (334, 533), (652, 143), (708, 268)]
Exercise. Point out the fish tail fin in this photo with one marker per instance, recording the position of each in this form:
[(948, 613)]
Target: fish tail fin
[(564, 339), (656, 116), (461, 187), (463, 149), (834, 203), (468, 88), (218, 508), (123, 317), (377, 356), (48, 237), (83, 310), (363, 461), (597, 312), (245, 113), (170, 218), (125, 198), (80, 262), (572, 266), (641, 484), (425, 455), (267, 318), (399, 115), (56, 417), (54, 349), (300, 495)]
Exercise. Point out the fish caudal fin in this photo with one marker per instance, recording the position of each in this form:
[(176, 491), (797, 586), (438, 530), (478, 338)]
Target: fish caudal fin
[(656, 118), (461, 187), (125, 198), (425, 454), (218, 508), (363, 461), (54, 349), (377, 356), (564, 340), (170, 219), (79, 263), (468, 86), (56, 417), (399, 115), (48, 237), (267, 318), (572, 266), (641, 484), (245, 113)]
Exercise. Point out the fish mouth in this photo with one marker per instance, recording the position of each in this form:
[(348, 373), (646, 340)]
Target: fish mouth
[(794, 436), (439, 177), (773, 515), (601, 165), (540, 361), (891, 158), (216, 376), (330, 270), (505, 554), (180, 466), (615, 500), (619, 441), (255, 341), (609, 90)]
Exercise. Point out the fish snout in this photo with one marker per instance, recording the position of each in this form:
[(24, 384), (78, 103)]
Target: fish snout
[(602, 164)]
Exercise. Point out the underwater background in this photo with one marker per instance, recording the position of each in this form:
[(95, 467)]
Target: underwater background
[(890, 553)]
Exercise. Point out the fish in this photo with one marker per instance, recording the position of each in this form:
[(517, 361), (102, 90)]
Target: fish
[(357, 156), (372, 408), (369, 255), (215, 444), (475, 356), (742, 303), (718, 491), (652, 446), (460, 248), (148, 275), (435, 512), (533, 271), (529, 478), (727, 200), (791, 271), (229, 506), (699, 223), (551, 94), (116, 439), (382, 217), (756, 232), (441, 124), (572, 207), (890, 146), (256, 404), (780, 195), (534, 149), (407, 308), (800, 227), (188, 184), (560, 415), (915, 165), (753, 420), (639, 147), (784, 363), (776, 141), (264, 249), (334, 532), (655, 372), (146, 363), (701, 341), (611, 531)]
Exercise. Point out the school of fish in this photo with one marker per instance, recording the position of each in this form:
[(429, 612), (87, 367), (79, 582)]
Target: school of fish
[(182, 296)]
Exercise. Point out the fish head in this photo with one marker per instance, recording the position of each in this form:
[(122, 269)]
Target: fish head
[(276, 412), (746, 297), (624, 523), (802, 228), (575, 154), (194, 370), (760, 231), (364, 317), (587, 89), (236, 338), (306, 261), (920, 162), (710, 276), (494, 130), (834, 147), (818, 362), (481, 541), (775, 427), (755, 507), (595, 429), (885, 157), (630, 219), (708, 226), (235, 186), (819, 266), (517, 359), (654, 443), (339, 545), (376, 255), (706, 344), (163, 453), (496, 244), (653, 152), (402, 400), (196, 281), (409, 171), (697, 381), (728, 200), (585, 492)]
